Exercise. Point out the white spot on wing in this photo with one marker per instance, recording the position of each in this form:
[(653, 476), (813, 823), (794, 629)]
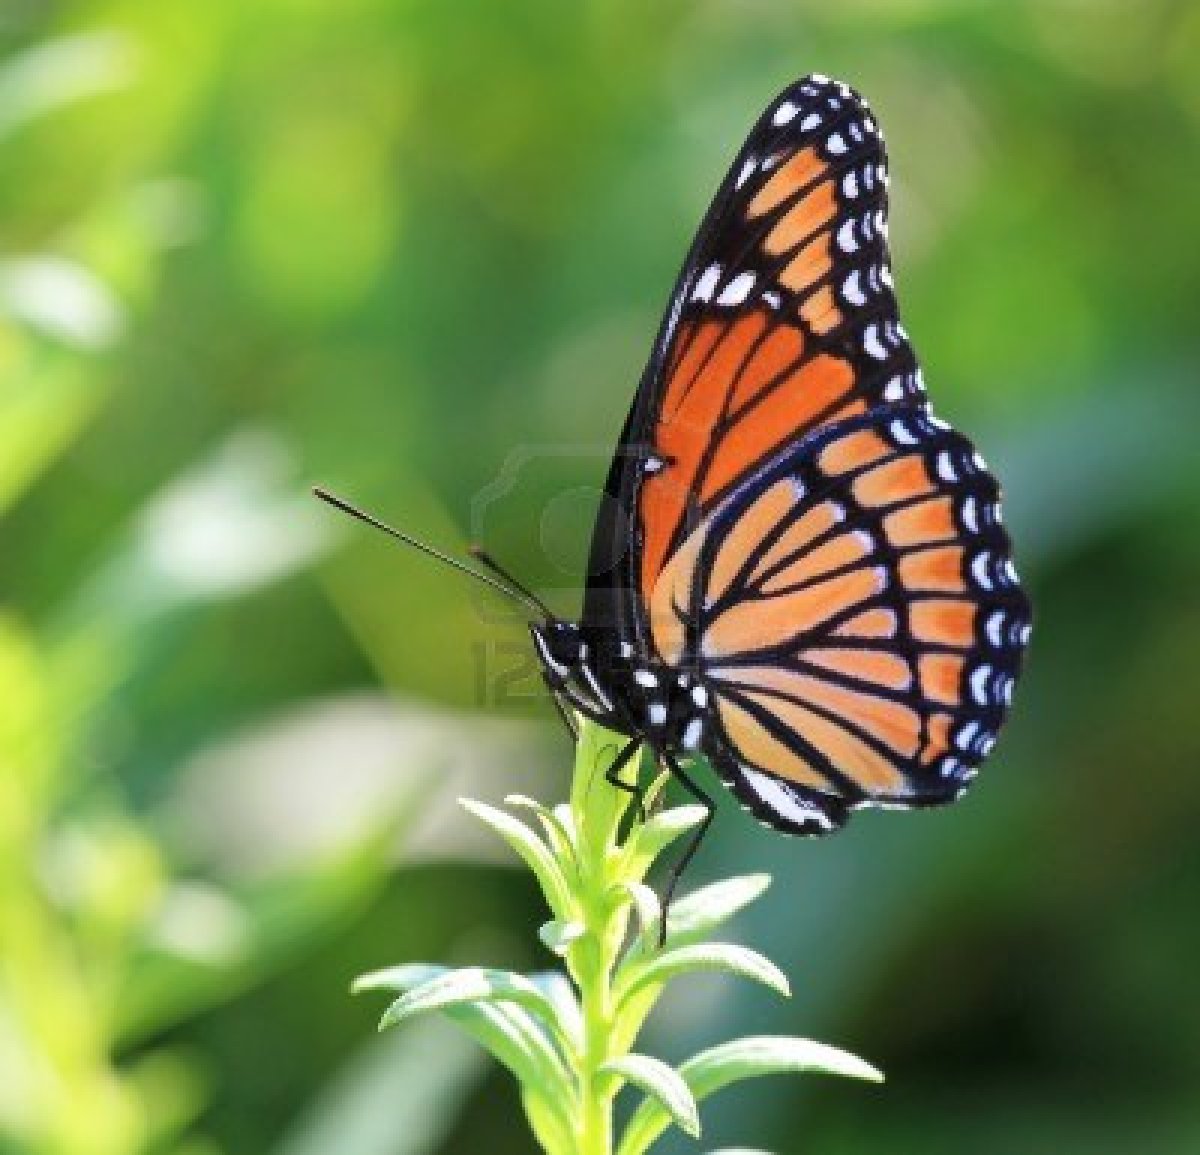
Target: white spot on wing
[(707, 283), (778, 798), (811, 121), (737, 290), (872, 344), (852, 291), (784, 114), (979, 681)]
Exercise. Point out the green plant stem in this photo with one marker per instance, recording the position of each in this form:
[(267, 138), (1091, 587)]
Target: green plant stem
[(595, 991), (605, 914)]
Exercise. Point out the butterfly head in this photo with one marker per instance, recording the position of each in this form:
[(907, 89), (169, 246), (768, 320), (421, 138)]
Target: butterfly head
[(569, 664), (561, 647)]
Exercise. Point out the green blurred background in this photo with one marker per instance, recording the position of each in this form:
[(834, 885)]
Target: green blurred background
[(417, 250)]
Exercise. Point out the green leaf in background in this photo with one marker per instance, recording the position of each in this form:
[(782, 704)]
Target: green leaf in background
[(423, 1076)]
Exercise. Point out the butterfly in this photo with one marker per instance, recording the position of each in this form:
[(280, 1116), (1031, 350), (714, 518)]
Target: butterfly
[(799, 572)]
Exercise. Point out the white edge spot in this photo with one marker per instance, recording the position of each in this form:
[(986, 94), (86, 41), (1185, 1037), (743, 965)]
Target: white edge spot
[(737, 290), (872, 344), (707, 283), (784, 114)]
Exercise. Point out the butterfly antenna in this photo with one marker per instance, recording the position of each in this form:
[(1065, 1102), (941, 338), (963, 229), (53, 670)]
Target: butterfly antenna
[(514, 591), (484, 558)]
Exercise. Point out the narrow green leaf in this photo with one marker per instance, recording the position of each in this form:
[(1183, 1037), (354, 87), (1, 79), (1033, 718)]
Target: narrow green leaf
[(558, 989), (532, 849), (558, 936), (545, 1122), (476, 985), (566, 820), (694, 916), (507, 1031), (649, 911), (662, 1084), (558, 833), (637, 974), (740, 1151), (398, 978), (754, 1056), (657, 785), (748, 1058), (661, 829)]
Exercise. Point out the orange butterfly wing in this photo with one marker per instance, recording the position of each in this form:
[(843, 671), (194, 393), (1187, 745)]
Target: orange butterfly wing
[(855, 612), (787, 521), (782, 322)]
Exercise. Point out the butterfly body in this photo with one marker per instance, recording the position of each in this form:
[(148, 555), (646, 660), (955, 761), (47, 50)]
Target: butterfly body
[(800, 572), (659, 704)]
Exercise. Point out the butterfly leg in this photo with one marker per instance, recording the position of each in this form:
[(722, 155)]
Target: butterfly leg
[(563, 713), (693, 845), (612, 776)]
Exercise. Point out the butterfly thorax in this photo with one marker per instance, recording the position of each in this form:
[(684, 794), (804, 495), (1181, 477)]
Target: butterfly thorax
[(667, 707)]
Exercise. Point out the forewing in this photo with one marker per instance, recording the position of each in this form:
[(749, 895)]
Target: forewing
[(782, 321), (855, 613)]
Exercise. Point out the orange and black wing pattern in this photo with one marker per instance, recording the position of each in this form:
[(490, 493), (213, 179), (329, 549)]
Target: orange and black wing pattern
[(782, 322), (855, 614)]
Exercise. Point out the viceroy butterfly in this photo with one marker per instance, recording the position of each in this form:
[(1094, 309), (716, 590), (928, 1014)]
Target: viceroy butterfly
[(812, 586)]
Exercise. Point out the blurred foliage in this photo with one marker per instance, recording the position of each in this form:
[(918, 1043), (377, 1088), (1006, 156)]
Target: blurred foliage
[(417, 250)]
